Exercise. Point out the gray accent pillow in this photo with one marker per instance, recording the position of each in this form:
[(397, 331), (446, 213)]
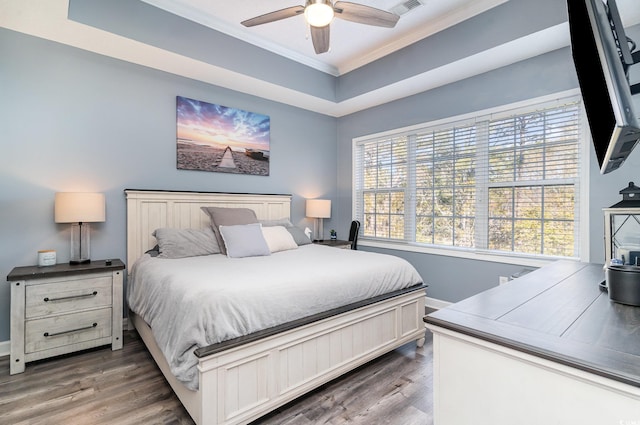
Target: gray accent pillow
[(278, 222), (154, 252), (298, 235), (244, 240), (221, 216), (180, 243)]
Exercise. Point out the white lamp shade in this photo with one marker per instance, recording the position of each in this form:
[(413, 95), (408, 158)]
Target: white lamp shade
[(78, 207), (318, 208)]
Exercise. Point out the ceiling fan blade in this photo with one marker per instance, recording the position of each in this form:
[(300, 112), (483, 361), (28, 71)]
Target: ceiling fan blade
[(274, 16), (364, 14), (320, 38)]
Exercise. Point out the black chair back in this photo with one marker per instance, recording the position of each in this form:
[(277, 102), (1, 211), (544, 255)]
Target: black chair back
[(353, 234)]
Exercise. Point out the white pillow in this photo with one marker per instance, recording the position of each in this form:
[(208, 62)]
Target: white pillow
[(278, 238), (244, 240)]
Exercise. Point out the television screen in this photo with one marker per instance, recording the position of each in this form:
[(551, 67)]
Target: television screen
[(602, 55)]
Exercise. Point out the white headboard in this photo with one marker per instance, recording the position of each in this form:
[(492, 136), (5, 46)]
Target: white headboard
[(148, 210)]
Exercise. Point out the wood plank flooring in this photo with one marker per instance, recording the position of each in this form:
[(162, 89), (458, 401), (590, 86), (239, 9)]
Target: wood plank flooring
[(101, 386)]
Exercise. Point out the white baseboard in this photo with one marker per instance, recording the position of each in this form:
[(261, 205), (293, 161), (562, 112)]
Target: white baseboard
[(5, 348), (436, 303)]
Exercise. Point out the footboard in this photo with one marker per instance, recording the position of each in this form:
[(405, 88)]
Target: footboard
[(241, 384)]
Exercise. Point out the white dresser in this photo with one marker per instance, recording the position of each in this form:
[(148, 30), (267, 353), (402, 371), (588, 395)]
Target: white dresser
[(549, 347), (64, 308)]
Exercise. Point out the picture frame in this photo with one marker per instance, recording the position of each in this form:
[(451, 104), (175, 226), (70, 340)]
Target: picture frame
[(222, 139)]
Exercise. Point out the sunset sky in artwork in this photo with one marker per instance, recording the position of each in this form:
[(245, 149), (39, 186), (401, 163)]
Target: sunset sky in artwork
[(220, 126)]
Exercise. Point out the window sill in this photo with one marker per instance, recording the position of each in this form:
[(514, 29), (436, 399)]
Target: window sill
[(479, 256)]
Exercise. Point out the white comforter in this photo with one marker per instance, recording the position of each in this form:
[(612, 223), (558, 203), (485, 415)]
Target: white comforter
[(198, 301)]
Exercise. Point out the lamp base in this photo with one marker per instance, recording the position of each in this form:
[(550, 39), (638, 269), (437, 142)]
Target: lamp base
[(77, 262), (318, 230), (80, 243)]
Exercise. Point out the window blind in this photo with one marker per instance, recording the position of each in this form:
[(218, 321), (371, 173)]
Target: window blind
[(504, 182)]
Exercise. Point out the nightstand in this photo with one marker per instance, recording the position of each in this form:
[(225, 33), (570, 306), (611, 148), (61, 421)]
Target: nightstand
[(64, 308), (336, 243)]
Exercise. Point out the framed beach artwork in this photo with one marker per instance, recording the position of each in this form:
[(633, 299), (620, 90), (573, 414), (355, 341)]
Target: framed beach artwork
[(220, 139)]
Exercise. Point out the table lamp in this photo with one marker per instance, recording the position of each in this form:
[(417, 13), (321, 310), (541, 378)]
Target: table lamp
[(318, 209), (80, 209)]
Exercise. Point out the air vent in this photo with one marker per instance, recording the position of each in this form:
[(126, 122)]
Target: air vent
[(406, 6)]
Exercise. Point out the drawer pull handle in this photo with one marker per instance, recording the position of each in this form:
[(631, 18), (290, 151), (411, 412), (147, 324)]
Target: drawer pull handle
[(46, 334), (93, 294)]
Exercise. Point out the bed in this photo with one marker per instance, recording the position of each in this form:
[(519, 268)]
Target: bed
[(239, 378)]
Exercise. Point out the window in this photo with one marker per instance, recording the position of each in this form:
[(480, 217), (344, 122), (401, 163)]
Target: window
[(505, 182)]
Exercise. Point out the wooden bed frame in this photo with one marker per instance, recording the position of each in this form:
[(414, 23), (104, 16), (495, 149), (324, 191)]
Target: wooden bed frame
[(243, 381)]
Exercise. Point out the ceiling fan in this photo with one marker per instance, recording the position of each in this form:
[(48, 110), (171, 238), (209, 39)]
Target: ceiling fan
[(320, 13)]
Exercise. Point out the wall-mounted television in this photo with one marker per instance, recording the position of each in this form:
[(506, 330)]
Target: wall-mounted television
[(602, 54)]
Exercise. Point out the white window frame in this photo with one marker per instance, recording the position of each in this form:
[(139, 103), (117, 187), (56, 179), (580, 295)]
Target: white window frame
[(507, 258)]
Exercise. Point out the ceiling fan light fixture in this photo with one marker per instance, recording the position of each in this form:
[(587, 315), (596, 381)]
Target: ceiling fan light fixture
[(318, 13)]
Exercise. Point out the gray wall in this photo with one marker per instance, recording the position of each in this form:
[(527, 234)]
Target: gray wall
[(77, 121), (509, 21), (142, 22)]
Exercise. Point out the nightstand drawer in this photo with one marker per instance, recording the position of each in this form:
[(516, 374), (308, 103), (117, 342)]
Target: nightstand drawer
[(68, 295), (66, 330)]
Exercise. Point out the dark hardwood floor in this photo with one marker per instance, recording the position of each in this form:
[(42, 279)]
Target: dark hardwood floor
[(101, 386)]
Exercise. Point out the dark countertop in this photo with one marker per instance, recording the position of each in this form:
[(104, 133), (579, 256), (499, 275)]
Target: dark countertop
[(63, 269), (558, 312), (333, 243)]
